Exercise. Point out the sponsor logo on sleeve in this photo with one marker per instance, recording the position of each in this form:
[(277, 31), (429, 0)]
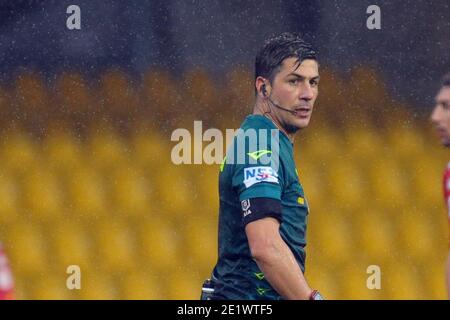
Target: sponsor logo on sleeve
[(255, 175)]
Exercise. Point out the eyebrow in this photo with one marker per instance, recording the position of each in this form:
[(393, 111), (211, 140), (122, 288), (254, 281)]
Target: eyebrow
[(302, 77)]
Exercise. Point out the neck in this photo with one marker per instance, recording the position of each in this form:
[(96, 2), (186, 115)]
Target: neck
[(258, 109)]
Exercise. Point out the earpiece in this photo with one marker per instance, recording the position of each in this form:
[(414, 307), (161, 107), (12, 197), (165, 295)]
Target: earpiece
[(263, 90)]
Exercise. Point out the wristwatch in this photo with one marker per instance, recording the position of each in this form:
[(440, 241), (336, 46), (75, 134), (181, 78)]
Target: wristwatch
[(315, 295)]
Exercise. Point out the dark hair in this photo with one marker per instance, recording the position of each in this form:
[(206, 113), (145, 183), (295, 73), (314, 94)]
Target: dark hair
[(446, 80), (275, 50)]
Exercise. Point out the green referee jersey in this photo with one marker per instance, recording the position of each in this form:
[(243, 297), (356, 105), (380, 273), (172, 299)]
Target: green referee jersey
[(254, 184)]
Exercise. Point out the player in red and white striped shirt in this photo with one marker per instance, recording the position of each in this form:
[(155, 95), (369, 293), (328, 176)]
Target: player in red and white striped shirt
[(441, 120), (6, 278)]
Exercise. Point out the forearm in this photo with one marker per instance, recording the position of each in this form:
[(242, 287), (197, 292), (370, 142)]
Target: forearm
[(282, 271)]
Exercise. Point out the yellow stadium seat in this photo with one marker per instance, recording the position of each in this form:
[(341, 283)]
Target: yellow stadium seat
[(435, 279), (207, 201), (417, 236), (184, 284), (426, 180), (374, 232), (27, 248), (18, 152), (201, 244), (115, 246), (97, 286), (43, 195), (63, 153), (347, 183), (387, 181), (174, 205), (71, 245), (406, 141), (51, 287), (130, 192), (9, 198), (401, 281), (159, 245), (107, 149), (363, 144), (87, 194), (357, 284), (321, 276), (330, 236), (142, 286), (150, 150), (321, 146)]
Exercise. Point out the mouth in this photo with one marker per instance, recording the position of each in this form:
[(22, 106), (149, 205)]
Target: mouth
[(442, 133), (303, 112)]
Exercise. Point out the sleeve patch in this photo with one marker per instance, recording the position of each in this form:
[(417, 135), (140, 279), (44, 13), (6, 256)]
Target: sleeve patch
[(255, 175)]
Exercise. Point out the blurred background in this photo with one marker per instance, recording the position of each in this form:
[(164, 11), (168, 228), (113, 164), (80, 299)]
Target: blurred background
[(86, 117)]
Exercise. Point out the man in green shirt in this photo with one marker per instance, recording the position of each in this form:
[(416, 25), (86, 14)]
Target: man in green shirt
[(263, 209)]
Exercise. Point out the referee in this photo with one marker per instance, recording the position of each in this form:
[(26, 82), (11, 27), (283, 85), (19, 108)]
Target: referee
[(263, 209)]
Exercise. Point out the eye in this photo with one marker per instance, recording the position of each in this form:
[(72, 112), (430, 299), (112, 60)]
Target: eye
[(445, 105), (314, 83), (293, 82)]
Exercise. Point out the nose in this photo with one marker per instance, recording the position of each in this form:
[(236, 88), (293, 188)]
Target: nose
[(306, 92), (435, 115)]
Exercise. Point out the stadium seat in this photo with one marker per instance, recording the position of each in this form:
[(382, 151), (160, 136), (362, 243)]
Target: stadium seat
[(142, 286), (130, 192), (374, 234), (43, 197), (73, 96), (201, 244), (107, 150), (201, 93), (63, 152), (174, 191), (31, 96), (9, 198), (160, 95), (322, 277), (87, 194), (28, 248), (71, 244), (355, 280), (5, 106), (117, 95), (417, 236), (19, 152), (330, 236), (115, 246), (98, 286), (184, 284), (387, 182), (51, 287), (160, 244), (402, 281)]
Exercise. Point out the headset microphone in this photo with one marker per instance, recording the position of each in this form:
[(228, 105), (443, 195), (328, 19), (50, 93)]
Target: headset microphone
[(264, 92)]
